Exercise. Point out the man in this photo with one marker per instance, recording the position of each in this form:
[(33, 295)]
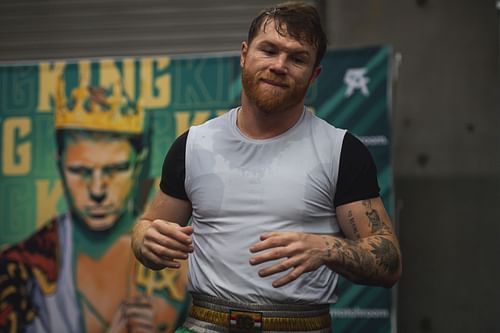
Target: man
[(78, 273), (280, 201)]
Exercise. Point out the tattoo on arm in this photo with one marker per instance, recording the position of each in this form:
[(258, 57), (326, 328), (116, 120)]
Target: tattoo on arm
[(328, 248), (375, 221), (367, 259), (385, 254), (352, 259), (353, 224), (364, 266)]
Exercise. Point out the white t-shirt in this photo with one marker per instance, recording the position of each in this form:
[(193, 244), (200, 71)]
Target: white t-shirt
[(241, 188)]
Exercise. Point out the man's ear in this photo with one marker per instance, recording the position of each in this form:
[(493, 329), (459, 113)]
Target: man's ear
[(243, 53), (315, 74)]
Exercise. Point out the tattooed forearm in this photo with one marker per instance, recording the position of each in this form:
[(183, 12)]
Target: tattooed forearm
[(352, 259), (367, 251), (386, 254), (366, 261)]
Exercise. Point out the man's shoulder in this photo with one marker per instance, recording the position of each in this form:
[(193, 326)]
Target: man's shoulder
[(321, 126), (220, 120), (206, 132)]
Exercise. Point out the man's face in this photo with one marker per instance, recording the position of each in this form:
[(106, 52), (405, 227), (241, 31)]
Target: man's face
[(99, 175), (277, 70)]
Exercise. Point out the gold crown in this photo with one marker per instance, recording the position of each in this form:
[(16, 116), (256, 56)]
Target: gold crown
[(99, 109)]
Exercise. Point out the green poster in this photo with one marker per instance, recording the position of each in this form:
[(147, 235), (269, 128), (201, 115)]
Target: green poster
[(154, 100)]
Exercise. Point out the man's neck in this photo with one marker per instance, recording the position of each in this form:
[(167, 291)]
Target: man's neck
[(257, 124)]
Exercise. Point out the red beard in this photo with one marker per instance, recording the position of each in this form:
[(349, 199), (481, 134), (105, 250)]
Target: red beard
[(271, 99)]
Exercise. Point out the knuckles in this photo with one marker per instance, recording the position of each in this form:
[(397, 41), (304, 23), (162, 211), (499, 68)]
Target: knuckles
[(282, 266), (294, 274)]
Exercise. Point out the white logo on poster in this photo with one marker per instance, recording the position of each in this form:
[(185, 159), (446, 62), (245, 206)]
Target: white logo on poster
[(355, 78)]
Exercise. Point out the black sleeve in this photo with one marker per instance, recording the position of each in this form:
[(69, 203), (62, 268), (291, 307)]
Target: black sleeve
[(357, 178), (173, 171)]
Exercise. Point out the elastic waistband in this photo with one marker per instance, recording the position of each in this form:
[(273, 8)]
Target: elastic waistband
[(213, 314)]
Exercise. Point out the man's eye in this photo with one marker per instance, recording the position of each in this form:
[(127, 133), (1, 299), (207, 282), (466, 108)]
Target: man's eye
[(79, 170), (117, 168), (298, 59), (269, 51)]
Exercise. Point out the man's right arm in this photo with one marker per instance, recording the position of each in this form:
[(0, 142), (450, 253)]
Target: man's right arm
[(161, 236)]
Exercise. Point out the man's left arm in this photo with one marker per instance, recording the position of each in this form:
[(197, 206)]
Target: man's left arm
[(368, 252)]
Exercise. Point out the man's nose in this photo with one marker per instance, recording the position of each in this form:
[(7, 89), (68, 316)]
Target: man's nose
[(97, 186), (279, 65)]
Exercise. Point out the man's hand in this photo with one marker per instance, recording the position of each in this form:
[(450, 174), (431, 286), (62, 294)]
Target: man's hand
[(300, 252), (161, 236), (165, 242)]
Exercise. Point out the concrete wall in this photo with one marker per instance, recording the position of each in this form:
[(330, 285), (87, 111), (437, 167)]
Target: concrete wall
[(446, 122)]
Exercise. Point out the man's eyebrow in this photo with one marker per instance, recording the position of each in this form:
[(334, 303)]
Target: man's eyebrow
[(266, 43), (293, 50), (301, 53), (76, 167), (118, 165)]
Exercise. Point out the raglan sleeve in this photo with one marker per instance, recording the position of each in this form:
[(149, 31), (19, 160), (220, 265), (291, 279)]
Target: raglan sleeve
[(174, 169), (357, 176)]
